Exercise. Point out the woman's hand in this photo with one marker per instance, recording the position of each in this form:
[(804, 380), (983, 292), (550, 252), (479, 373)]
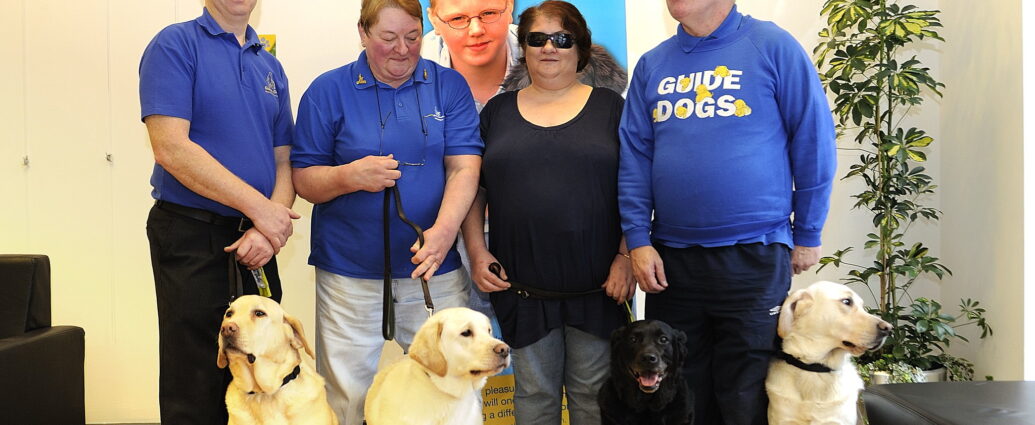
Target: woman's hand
[(486, 280), (620, 284)]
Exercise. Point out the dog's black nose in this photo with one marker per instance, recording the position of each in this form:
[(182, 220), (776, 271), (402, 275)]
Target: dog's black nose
[(883, 328), (650, 358), (502, 350)]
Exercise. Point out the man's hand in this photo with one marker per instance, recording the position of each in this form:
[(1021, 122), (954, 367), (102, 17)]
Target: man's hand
[(372, 173), (252, 250), (803, 257), (274, 222), (620, 284), (649, 269)]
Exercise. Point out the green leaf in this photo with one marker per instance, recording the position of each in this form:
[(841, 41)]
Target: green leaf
[(922, 142), (916, 155)]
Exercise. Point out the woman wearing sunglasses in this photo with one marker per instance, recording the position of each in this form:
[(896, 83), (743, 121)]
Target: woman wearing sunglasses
[(549, 179)]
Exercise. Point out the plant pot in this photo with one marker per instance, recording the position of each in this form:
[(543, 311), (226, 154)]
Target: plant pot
[(933, 375)]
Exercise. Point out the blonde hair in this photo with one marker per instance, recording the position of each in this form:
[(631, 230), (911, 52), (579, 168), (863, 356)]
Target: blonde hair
[(370, 9)]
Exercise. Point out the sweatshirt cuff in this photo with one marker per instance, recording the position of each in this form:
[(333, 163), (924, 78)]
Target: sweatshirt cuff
[(809, 238), (637, 237)]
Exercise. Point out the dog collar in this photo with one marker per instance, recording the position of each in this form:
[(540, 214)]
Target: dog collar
[(794, 361), (290, 377)]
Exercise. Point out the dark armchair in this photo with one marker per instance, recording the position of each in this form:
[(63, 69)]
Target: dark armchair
[(41, 366)]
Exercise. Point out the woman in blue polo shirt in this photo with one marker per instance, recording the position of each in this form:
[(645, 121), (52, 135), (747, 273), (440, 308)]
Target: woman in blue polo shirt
[(387, 119)]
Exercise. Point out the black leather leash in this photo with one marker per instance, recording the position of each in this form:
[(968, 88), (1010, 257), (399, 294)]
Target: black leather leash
[(544, 294), (526, 291), (388, 306)]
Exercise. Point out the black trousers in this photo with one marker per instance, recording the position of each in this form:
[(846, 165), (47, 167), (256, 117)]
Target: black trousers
[(727, 300), (193, 289)]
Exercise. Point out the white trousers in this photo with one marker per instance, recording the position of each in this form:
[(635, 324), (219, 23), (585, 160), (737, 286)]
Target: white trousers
[(348, 329)]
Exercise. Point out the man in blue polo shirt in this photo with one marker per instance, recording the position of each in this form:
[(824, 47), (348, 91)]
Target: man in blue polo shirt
[(218, 115), (727, 163)]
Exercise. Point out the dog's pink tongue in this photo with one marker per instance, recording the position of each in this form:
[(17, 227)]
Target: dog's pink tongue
[(648, 379)]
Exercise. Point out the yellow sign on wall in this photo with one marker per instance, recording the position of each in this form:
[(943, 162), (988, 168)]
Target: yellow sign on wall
[(498, 401), (269, 42)]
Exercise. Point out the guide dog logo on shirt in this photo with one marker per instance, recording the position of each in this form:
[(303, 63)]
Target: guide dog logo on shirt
[(702, 103), (271, 86), (437, 116)]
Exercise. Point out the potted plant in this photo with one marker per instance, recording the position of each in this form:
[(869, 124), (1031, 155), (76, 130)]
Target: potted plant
[(861, 62)]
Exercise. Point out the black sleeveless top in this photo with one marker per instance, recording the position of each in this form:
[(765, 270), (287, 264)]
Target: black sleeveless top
[(552, 196)]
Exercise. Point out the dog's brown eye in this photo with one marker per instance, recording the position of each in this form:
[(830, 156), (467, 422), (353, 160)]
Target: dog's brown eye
[(847, 302), (259, 313), (663, 339), (466, 333)]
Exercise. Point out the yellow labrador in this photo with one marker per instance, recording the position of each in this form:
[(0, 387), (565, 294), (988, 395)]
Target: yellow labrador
[(274, 383), (813, 380), (439, 383)]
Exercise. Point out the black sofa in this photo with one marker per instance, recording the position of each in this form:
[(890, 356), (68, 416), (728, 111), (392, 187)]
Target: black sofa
[(952, 403), (41, 366)]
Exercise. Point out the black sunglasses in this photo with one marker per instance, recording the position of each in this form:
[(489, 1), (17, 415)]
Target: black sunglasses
[(561, 40)]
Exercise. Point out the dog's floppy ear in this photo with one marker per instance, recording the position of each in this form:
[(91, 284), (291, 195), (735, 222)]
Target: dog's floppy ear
[(679, 350), (425, 348), (617, 336), (221, 354), (298, 336), (795, 305)]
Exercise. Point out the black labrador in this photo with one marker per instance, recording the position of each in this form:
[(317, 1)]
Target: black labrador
[(646, 386)]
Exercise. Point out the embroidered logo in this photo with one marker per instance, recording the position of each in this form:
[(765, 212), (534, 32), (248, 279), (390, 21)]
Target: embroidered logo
[(271, 86), (437, 116), (774, 311), (361, 80)]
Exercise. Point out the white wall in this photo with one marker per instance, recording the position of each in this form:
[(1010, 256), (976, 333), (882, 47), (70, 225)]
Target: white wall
[(982, 196), (70, 69), (71, 77)]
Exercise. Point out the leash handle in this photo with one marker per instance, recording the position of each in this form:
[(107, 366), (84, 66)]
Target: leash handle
[(497, 269)]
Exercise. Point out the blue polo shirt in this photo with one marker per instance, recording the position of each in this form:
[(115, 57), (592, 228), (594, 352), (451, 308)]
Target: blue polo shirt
[(236, 99), (346, 115)]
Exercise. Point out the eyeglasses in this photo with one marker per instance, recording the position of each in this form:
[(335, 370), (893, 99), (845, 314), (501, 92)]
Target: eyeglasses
[(561, 40), (460, 22), (384, 120)]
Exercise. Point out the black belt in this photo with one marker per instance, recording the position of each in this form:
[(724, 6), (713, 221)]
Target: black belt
[(538, 293), (239, 223)]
